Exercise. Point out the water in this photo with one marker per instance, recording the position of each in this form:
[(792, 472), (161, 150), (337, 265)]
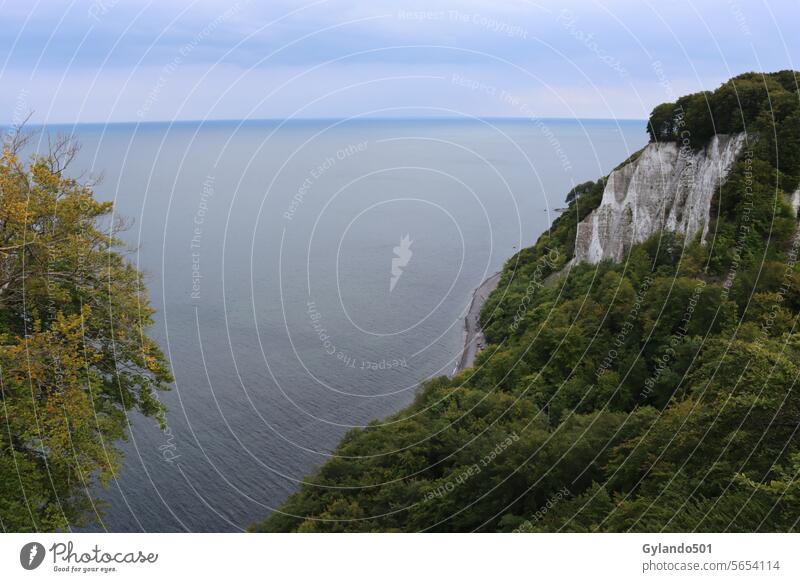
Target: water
[(268, 250)]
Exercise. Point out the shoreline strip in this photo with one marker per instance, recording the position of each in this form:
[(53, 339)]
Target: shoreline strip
[(473, 336)]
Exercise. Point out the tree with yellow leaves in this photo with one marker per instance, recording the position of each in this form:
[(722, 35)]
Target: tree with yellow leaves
[(74, 353)]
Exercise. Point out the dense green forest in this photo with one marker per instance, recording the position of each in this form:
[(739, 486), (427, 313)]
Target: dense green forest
[(74, 355), (657, 394)]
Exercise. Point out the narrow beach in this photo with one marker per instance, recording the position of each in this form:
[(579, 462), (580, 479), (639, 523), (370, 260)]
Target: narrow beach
[(473, 336)]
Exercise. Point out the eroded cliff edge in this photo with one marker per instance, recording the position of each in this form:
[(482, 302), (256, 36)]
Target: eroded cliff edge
[(666, 187)]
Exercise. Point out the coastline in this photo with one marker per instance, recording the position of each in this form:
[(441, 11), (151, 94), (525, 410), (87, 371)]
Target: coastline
[(473, 336)]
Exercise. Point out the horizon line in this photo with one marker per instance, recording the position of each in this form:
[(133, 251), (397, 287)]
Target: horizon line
[(5, 125)]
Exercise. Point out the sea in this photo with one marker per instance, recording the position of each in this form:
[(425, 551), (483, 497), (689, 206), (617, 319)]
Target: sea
[(308, 276)]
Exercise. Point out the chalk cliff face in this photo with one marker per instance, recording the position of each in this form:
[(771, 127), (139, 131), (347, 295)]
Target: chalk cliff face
[(666, 188)]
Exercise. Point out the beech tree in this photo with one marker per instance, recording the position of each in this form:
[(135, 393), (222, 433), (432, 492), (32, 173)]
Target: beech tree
[(74, 353)]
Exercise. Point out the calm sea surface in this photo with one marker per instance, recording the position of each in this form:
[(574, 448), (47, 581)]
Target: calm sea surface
[(308, 275)]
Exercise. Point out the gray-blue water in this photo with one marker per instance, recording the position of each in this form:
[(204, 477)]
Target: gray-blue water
[(268, 249)]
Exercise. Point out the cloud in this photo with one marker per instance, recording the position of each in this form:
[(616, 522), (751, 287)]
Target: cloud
[(107, 59)]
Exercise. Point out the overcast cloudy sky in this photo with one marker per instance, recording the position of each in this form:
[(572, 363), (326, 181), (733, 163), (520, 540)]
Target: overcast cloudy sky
[(120, 60)]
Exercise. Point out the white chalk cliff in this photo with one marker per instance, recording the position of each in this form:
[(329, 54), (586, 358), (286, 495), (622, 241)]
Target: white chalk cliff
[(795, 202), (665, 188)]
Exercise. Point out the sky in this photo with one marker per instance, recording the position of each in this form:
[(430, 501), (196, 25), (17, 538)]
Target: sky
[(107, 61)]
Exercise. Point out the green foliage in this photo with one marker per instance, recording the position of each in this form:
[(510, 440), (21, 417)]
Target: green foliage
[(74, 356), (655, 395), (579, 190), (757, 103)]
